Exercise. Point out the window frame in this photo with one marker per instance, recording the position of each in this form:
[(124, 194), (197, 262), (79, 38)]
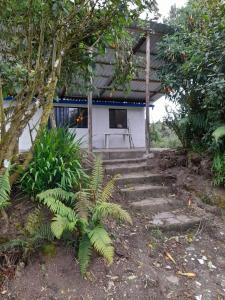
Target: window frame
[(118, 109), (61, 115)]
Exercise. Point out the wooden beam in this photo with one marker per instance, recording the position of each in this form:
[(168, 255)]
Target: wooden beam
[(90, 128), (113, 64), (147, 94), (134, 79)]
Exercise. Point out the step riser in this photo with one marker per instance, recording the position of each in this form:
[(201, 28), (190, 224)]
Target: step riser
[(135, 194), (148, 180), (157, 208), (178, 227), (120, 154), (126, 170), (127, 161)]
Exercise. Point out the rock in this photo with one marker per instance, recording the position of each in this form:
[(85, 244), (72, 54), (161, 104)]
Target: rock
[(173, 279)]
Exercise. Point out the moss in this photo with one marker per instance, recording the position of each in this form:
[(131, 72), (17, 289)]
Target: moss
[(49, 250)]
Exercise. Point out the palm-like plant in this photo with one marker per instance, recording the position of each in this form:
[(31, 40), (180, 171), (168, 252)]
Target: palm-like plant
[(85, 211)]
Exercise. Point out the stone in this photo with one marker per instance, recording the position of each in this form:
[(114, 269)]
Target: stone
[(173, 279)]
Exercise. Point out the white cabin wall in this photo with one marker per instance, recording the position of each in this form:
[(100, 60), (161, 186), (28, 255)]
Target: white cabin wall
[(100, 115), (135, 119)]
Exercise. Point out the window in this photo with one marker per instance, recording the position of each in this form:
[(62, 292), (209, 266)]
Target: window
[(117, 118), (73, 117)]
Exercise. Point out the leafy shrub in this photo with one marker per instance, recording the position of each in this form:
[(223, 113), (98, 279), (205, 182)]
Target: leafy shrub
[(56, 162), (5, 189), (84, 213)]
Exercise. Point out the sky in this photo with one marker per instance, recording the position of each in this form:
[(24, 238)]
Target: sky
[(159, 110)]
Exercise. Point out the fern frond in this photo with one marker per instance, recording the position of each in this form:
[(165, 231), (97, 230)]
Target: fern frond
[(59, 194), (102, 243), (33, 222), (60, 224), (105, 210), (84, 253), (83, 204), (108, 190), (57, 207), (5, 189), (97, 177), (44, 232), (13, 244)]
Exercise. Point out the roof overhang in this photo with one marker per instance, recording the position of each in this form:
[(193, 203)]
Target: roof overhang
[(104, 72)]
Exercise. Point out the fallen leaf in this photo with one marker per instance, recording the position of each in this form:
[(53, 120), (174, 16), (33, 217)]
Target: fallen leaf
[(188, 274), (169, 256)]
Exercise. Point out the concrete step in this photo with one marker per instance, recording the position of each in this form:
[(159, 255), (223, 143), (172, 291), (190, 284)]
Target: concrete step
[(178, 220), (107, 154), (109, 162), (145, 177), (125, 168), (144, 191), (155, 205)]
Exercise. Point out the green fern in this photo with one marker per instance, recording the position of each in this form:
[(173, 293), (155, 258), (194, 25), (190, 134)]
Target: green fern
[(12, 244), (83, 204), (108, 190), (44, 232), (57, 207), (33, 222), (105, 210), (85, 211), (58, 193), (5, 189), (102, 243), (84, 253), (97, 176), (60, 224)]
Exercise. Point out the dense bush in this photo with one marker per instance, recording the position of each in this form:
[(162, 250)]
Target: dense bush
[(83, 213), (56, 163), (193, 76)]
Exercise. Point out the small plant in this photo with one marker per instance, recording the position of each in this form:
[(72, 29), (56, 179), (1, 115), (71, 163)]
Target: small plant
[(56, 163), (219, 169), (5, 189), (34, 233), (84, 213)]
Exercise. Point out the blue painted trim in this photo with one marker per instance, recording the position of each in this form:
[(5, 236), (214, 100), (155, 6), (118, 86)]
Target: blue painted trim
[(95, 102), (101, 103), (9, 98)]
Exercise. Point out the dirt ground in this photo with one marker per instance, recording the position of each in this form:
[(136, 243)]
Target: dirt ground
[(148, 264)]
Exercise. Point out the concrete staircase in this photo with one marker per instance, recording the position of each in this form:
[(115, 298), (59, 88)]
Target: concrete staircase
[(154, 195)]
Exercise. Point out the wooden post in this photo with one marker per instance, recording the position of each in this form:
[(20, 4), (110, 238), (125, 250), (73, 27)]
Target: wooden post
[(90, 133), (147, 94)]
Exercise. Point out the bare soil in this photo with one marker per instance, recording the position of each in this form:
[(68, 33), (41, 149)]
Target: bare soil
[(148, 264)]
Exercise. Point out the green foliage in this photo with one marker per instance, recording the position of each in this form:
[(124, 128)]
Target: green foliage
[(84, 253), (219, 133), (219, 169), (163, 136), (193, 76), (56, 163), (5, 189), (85, 214), (35, 233)]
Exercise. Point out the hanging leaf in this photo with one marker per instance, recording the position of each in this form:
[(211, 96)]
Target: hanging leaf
[(219, 133)]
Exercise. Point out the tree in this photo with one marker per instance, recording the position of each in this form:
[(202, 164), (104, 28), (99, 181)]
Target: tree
[(194, 70), (43, 44)]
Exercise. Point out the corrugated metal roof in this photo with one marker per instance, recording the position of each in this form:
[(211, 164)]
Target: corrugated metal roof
[(104, 71)]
